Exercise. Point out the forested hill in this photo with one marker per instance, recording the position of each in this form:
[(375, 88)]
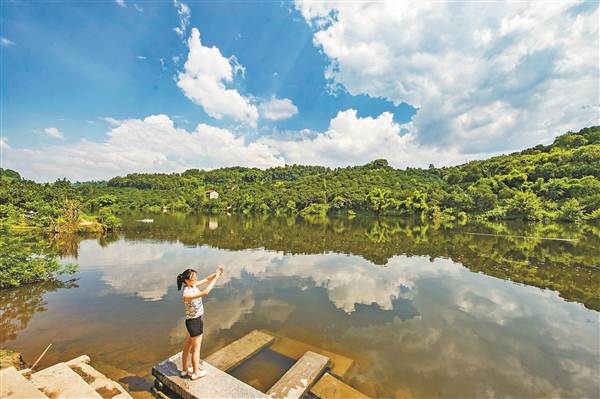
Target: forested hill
[(558, 181)]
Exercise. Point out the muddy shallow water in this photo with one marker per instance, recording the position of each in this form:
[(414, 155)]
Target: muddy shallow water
[(424, 310)]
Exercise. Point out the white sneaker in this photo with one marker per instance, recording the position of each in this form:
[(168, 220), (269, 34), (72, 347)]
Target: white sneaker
[(201, 373), (189, 371)]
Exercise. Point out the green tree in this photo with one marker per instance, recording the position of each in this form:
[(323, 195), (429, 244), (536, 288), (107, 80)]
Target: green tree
[(108, 220), (524, 205), (483, 197), (379, 199), (571, 211)]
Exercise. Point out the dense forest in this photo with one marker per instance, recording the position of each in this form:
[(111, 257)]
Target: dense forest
[(560, 181)]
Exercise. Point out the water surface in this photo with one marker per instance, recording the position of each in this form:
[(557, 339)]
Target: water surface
[(424, 310)]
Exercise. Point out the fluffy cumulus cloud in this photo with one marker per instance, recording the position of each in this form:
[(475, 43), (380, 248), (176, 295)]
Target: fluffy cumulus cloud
[(352, 140), (490, 78), (54, 133), (203, 81), (152, 144), (277, 109)]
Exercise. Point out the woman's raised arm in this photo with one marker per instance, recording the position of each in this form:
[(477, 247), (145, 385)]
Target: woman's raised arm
[(206, 291), (210, 277), (206, 279)]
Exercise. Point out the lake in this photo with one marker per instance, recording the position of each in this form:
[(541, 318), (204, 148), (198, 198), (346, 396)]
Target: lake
[(424, 310)]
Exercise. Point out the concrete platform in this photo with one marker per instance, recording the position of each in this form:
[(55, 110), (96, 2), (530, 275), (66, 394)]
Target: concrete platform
[(59, 381), (300, 377), (14, 386), (216, 384), (236, 352), (329, 387)]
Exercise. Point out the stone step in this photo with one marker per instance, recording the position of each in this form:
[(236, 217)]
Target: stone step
[(216, 384), (329, 387), (236, 352), (105, 387), (59, 381), (294, 349), (14, 386), (300, 377)]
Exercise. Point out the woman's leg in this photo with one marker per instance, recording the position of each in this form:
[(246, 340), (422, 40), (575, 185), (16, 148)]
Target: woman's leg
[(187, 346), (196, 343)]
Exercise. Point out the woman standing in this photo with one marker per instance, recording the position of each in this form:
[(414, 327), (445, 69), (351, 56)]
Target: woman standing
[(194, 309)]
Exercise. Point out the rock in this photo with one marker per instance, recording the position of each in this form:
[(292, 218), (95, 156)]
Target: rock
[(10, 358)]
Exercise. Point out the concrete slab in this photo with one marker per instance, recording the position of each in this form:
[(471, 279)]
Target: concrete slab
[(59, 381), (14, 386), (236, 352), (216, 384), (300, 377), (106, 387), (294, 349), (329, 387)]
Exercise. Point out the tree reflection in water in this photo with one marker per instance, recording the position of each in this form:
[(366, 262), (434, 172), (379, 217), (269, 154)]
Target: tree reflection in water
[(20, 304), (570, 267)]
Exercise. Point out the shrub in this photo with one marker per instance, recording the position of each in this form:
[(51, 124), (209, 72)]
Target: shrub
[(524, 205), (316, 209), (109, 220), (571, 211)]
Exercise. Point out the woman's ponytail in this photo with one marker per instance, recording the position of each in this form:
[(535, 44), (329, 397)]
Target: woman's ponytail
[(184, 276)]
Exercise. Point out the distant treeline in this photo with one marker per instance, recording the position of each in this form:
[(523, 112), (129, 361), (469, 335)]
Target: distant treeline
[(560, 181)]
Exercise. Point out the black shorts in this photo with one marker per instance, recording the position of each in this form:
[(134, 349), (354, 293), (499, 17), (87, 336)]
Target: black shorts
[(194, 326)]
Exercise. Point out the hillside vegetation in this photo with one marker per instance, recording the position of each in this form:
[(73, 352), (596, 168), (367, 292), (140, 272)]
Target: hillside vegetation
[(560, 181)]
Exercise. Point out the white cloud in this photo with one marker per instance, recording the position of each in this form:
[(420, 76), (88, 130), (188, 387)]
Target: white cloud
[(277, 109), (184, 13), (237, 67), (203, 81), (352, 140), (111, 121), (5, 42), (316, 13), (121, 3), (138, 8), (141, 57), (54, 133), (152, 144), (498, 76)]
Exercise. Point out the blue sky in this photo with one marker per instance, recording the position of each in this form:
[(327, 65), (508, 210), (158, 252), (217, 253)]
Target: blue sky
[(68, 73), (91, 90)]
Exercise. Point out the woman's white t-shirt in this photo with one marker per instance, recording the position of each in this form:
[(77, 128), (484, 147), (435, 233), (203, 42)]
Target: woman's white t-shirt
[(193, 308)]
